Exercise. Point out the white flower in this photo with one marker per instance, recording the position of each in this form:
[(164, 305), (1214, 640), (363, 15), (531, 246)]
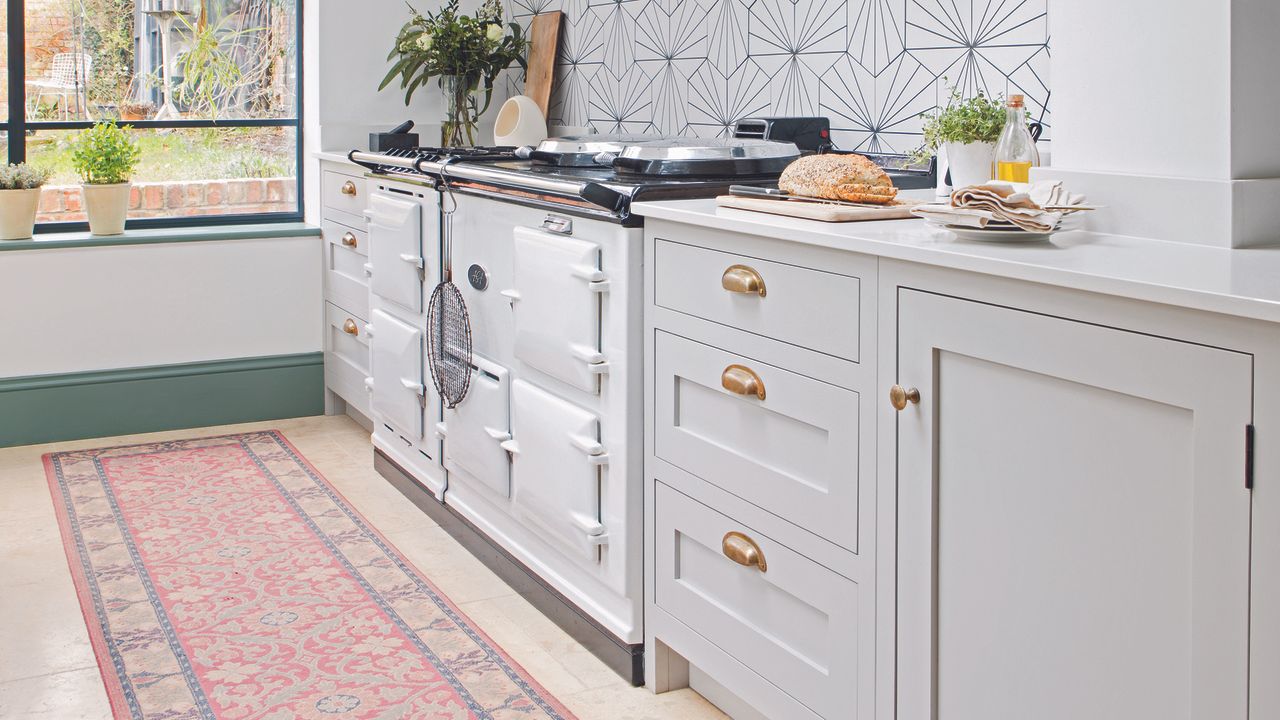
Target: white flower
[(495, 33), (424, 42)]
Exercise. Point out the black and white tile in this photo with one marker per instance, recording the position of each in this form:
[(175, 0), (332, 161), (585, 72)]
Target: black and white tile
[(872, 66)]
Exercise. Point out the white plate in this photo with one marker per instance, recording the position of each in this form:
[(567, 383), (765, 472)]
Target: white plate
[(1005, 232), (1003, 236)]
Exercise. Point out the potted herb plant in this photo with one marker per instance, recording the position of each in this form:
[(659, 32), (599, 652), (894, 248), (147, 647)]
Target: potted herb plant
[(967, 130), (461, 51), (105, 156), (19, 199)]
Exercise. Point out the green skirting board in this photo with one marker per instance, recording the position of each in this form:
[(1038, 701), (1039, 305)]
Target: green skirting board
[(51, 408)]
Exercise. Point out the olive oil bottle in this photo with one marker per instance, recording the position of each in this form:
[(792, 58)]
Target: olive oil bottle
[(1016, 151)]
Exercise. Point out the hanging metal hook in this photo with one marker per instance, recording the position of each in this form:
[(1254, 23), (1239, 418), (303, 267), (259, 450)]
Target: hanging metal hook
[(448, 189)]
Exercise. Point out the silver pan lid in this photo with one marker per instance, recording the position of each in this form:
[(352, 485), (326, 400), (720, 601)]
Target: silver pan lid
[(706, 157), (589, 144), (708, 149)]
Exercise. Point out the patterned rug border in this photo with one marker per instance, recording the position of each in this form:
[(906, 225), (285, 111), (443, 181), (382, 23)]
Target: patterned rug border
[(90, 608)]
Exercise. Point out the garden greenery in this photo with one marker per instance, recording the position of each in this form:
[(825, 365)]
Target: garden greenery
[(211, 76), (976, 119), (22, 177), (104, 154)]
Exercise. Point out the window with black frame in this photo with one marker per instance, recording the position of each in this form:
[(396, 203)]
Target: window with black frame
[(209, 89)]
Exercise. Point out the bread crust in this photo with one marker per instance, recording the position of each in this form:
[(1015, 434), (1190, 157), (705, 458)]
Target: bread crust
[(852, 178)]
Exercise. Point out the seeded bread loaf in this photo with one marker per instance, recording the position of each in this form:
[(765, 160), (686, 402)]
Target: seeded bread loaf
[(838, 177)]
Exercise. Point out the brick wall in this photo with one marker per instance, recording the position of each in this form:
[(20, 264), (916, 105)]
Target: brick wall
[(64, 203)]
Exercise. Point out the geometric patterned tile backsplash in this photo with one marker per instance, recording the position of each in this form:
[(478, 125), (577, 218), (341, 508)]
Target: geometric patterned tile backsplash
[(871, 66)]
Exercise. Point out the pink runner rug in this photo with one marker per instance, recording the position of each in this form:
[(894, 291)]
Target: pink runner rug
[(225, 578)]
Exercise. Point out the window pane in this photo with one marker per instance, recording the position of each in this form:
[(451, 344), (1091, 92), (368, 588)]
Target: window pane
[(4, 70), (160, 59), (186, 172)]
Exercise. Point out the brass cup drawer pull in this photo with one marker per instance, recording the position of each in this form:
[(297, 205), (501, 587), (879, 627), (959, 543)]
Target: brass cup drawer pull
[(742, 380), (349, 327), (743, 550), (348, 188), (742, 279), (900, 396), (349, 239)]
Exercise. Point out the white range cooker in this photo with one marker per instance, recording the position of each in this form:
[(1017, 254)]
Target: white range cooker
[(542, 458)]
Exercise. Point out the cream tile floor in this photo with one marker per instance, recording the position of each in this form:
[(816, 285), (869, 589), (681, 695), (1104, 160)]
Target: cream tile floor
[(47, 668)]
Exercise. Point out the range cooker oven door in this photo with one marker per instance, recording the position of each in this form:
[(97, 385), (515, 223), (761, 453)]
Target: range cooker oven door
[(474, 431), (399, 395), (396, 264), (556, 300), (555, 474)]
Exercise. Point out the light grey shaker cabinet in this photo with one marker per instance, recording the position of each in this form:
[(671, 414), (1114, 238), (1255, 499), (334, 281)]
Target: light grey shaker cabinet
[(1072, 524), (760, 473), (1013, 500), (346, 288)]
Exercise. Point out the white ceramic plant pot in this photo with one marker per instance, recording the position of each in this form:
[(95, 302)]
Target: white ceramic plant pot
[(971, 163), (18, 213), (107, 206)]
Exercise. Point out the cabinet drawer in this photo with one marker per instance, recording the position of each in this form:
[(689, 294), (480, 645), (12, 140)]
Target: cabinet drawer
[(346, 356), (792, 449), (344, 193), (810, 308), (789, 620), (346, 251)]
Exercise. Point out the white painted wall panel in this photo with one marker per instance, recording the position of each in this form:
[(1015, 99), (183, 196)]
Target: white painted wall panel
[(1143, 86), (1255, 94), (99, 308)]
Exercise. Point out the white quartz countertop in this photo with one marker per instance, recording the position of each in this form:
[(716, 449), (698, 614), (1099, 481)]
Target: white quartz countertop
[(1244, 283)]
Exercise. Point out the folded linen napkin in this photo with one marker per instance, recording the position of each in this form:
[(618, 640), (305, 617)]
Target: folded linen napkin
[(1019, 204)]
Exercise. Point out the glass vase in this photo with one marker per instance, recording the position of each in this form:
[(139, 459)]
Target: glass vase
[(461, 112)]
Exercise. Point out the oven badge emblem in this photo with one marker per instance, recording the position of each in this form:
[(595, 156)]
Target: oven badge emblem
[(478, 277)]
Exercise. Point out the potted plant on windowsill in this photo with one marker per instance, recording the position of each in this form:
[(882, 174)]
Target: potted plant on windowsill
[(19, 199), (105, 156), (967, 129)]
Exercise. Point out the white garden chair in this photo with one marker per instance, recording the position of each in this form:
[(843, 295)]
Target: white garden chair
[(68, 80)]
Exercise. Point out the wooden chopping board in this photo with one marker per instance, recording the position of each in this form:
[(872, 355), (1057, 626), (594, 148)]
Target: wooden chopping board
[(818, 210), (544, 42)]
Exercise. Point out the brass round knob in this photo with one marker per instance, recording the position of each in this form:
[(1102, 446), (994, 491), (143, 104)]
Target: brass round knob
[(349, 239), (900, 396), (348, 188), (349, 327), (742, 279)]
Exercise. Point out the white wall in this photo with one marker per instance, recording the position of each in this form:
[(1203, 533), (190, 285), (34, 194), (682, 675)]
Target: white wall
[(100, 308), (349, 42), (1142, 86), (1255, 90), (1174, 88)]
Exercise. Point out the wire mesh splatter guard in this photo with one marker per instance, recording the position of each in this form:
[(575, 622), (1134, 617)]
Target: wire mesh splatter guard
[(449, 343)]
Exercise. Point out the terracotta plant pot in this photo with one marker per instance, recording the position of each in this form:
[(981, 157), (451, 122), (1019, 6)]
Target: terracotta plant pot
[(18, 213), (107, 206), (971, 163)]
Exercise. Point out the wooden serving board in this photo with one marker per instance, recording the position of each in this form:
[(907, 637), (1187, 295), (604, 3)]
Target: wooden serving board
[(544, 41), (818, 210)]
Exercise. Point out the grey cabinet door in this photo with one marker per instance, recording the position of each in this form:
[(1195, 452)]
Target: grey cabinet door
[(1073, 521)]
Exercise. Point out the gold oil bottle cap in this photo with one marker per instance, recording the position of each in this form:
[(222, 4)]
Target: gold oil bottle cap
[(1016, 101)]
